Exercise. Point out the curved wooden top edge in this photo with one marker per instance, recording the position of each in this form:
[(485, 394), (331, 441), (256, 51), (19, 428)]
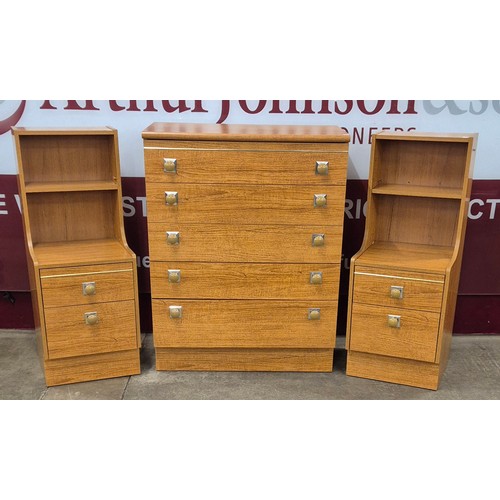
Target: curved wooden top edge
[(63, 131), (427, 136), (244, 132)]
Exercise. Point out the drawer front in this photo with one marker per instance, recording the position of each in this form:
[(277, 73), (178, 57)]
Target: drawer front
[(220, 204), (70, 334), (416, 337), (404, 290), (244, 281), (243, 323), (198, 165), (248, 243), (87, 285)]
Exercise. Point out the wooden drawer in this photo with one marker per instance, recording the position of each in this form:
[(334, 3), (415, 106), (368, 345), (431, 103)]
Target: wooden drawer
[(416, 338), (69, 335), (230, 166), (417, 290), (236, 204), (248, 243), (87, 284), (244, 323), (244, 281)]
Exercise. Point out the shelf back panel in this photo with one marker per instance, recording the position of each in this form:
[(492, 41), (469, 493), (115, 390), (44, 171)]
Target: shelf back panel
[(421, 221), (420, 163), (48, 158), (57, 217)]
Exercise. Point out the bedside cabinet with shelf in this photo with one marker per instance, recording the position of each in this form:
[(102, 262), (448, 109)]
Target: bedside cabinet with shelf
[(82, 273), (404, 279)]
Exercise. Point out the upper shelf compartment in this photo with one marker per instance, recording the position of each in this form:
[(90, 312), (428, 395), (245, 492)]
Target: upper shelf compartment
[(433, 169), (51, 162)]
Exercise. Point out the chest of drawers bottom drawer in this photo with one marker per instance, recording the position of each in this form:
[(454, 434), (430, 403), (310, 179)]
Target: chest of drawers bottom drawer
[(244, 324)]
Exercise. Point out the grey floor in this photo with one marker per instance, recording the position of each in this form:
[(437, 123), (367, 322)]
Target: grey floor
[(473, 373)]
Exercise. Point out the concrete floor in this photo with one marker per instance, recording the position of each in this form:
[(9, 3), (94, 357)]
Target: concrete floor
[(473, 373)]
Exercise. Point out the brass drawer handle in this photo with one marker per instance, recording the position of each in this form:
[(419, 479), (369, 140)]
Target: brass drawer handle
[(396, 292), (174, 276), (171, 198), (320, 200), (316, 278), (394, 321), (318, 240), (322, 167), (170, 165), (91, 318), (314, 313), (173, 237), (175, 312), (89, 288)]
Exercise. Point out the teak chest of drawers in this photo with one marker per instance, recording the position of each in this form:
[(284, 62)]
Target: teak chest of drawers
[(245, 232), (82, 272), (404, 279)]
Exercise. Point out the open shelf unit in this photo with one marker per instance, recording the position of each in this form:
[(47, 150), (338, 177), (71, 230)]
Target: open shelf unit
[(70, 190), (418, 194)]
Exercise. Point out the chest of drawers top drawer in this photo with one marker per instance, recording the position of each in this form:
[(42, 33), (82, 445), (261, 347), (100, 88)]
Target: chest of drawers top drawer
[(178, 163), (245, 154)]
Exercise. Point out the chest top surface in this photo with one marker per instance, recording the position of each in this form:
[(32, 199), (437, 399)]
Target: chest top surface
[(246, 133)]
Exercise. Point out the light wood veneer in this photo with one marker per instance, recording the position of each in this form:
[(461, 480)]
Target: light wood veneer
[(82, 273), (404, 279), (244, 220)]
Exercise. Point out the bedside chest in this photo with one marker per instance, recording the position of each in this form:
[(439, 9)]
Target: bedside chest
[(82, 273), (404, 280), (245, 232)]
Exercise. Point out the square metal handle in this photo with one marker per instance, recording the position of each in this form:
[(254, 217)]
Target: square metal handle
[(89, 288), (175, 312), (314, 313), (396, 292), (91, 318), (171, 198), (322, 167), (394, 321), (320, 200), (173, 237), (170, 165)]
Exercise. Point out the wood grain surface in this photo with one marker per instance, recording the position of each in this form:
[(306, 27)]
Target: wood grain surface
[(64, 286), (92, 367), (406, 257), (70, 253), (68, 335), (56, 158), (394, 370), (265, 360), (244, 167), (239, 204), (244, 323), (415, 339), (246, 132), (420, 291), (245, 243), (244, 281)]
